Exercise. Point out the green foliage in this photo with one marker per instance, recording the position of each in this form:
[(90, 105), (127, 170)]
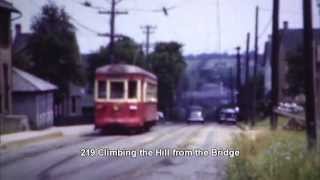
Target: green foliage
[(274, 155), (168, 64), (126, 51), (22, 60), (54, 49)]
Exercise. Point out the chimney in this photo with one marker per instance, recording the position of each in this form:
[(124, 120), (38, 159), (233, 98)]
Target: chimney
[(18, 29), (285, 25)]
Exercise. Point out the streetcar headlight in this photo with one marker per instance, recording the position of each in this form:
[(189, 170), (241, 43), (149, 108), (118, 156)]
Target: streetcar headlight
[(133, 107), (116, 108)]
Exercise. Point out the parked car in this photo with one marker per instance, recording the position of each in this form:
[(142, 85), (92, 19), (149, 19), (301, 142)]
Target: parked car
[(229, 115), (195, 114)]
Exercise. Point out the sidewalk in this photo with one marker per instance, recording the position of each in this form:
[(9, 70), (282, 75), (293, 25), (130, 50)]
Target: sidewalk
[(23, 138)]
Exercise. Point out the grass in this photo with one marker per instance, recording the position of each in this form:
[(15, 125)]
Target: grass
[(273, 155), (265, 123)]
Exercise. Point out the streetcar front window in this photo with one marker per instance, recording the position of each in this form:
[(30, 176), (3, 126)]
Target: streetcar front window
[(117, 90), (133, 89), (102, 89)]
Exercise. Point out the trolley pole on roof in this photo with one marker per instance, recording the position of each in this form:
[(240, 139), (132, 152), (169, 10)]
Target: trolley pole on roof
[(113, 12)]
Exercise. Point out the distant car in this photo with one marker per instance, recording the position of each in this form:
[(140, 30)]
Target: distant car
[(228, 115), (195, 114), (290, 107), (160, 116)]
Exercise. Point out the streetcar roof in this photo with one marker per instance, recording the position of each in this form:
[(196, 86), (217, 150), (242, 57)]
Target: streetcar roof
[(119, 69)]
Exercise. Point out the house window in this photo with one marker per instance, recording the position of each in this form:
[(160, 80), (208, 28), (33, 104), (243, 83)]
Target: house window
[(5, 29), (73, 104), (6, 87), (102, 89), (133, 89), (117, 90)]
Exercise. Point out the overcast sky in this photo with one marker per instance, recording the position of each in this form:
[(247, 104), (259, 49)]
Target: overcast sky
[(194, 23)]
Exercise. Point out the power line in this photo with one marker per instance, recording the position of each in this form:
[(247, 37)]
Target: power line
[(113, 13), (164, 9), (78, 23), (265, 29), (88, 4)]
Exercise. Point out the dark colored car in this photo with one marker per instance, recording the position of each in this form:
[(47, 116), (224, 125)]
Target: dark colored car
[(229, 115)]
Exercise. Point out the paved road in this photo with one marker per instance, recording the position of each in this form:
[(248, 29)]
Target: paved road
[(71, 157)]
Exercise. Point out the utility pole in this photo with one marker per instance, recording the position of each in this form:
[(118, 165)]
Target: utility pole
[(318, 5), (148, 31), (247, 74), (239, 89), (232, 87), (310, 70), (275, 64), (238, 68), (255, 79), (113, 12)]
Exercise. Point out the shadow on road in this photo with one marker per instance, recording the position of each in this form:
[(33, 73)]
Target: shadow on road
[(116, 131)]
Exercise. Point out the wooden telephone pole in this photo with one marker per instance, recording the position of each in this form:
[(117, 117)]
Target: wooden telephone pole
[(255, 69), (247, 74), (232, 81), (310, 70), (148, 31), (113, 12), (275, 64), (238, 75)]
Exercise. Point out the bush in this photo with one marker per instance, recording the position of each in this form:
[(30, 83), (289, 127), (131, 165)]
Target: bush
[(277, 156)]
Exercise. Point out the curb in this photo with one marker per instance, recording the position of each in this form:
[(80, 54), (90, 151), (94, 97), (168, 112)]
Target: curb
[(22, 142)]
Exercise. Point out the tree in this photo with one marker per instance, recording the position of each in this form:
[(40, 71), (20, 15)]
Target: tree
[(126, 51), (168, 64), (54, 49)]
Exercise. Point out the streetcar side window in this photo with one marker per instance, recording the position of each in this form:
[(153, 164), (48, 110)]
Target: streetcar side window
[(151, 93), (133, 89), (102, 89), (117, 90)]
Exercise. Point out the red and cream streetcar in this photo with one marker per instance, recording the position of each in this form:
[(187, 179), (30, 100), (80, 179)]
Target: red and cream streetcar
[(125, 96)]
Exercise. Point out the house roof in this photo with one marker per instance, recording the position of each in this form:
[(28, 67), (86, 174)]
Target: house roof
[(291, 42), (25, 82), (123, 69), (7, 6), (292, 39)]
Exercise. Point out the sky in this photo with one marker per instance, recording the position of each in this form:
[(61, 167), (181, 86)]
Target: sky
[(202, 26)]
